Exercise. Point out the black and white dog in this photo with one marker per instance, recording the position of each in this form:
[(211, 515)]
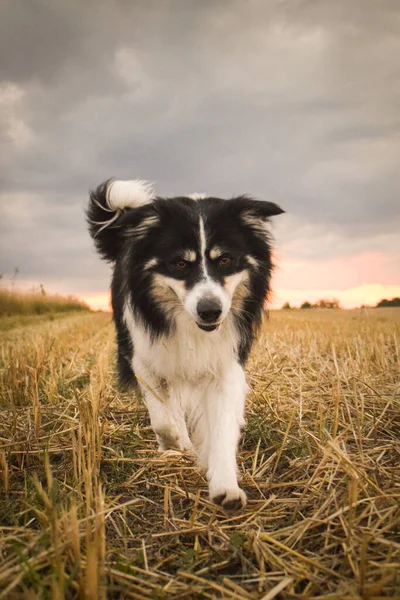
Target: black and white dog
[(190, 277)]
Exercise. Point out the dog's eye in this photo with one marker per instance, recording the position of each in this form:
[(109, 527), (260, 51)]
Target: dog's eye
[(181, 264), (224, 261)]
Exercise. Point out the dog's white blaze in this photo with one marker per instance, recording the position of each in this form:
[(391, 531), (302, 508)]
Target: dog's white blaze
[(208, 287), (129, 194), (203, 247)]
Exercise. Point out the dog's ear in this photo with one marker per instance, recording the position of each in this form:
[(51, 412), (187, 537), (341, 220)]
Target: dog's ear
[(108, 206), (258, 208), (256, 213)]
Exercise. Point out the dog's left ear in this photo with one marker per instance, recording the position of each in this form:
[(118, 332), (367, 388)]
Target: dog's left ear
[(255, 214), (258, 208)]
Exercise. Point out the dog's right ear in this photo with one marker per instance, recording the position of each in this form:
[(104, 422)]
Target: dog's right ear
[(108, 204)]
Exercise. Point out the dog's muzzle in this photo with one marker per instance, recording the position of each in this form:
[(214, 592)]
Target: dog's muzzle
[(209, 311)]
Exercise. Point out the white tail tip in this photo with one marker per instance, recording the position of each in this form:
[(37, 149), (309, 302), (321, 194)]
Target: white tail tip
[(196, 196), (129, 194)]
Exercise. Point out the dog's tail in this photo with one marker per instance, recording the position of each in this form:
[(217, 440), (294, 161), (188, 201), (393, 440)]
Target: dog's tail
[(107, 204)]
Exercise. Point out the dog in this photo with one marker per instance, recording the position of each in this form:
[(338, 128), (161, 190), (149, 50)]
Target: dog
[(190, 278)]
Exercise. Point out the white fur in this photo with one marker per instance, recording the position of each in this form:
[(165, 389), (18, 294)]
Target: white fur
[(129, 194), (206, 288), (196, 196), (192, 383), (203, 390), (203, 247)]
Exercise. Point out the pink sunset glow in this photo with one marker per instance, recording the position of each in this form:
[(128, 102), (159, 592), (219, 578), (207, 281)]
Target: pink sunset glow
[(97, 301), (363, 278), (360, 279), (351, 297)]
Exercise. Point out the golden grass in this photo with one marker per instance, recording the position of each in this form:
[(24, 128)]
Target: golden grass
[(36, 303), (88, 508)]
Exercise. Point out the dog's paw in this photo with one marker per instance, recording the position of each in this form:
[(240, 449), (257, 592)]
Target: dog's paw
[(230, 499)]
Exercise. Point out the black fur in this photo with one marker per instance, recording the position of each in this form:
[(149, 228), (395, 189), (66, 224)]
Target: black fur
[(175, 227)]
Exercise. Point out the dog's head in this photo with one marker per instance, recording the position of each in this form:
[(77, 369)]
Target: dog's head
[(194, 255)]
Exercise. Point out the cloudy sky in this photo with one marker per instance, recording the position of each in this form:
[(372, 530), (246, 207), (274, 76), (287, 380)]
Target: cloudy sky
[(294, 101)]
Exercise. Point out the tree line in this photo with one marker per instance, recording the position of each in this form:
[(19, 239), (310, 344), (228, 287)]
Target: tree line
[(334, 303)]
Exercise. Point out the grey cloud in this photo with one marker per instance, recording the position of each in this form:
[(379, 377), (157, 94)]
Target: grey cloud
[(292, 101)]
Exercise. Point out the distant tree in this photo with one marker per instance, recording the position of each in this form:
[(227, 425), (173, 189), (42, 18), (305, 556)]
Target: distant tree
[(320, 304), (382, 303), (385, 303), (286, 306), (327, 303), (306, 304)]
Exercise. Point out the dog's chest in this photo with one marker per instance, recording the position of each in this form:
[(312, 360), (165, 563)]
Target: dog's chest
[(188, 353)]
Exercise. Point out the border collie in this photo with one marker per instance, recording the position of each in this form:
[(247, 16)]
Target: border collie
[(190, 277)]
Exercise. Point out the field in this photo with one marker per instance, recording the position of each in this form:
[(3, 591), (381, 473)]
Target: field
[(14, 304), (89, 509)]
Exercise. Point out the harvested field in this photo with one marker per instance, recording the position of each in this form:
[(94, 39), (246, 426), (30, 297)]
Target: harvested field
[(89, 509), (16, 305)]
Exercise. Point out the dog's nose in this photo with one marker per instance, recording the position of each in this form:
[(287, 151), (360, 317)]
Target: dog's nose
[(209, 310)]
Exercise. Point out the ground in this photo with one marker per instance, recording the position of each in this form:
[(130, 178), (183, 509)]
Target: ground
[(89, 509)]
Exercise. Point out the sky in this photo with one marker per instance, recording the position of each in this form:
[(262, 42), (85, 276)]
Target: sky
[(296, 102)]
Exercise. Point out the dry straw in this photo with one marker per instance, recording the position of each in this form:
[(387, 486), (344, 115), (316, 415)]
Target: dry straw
[(88, 509)]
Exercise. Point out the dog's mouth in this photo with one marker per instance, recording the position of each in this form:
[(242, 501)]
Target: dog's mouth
[(212, 327)]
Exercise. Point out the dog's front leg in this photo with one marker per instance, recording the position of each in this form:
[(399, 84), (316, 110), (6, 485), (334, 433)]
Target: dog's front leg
[(224, 419), (165, 410)]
